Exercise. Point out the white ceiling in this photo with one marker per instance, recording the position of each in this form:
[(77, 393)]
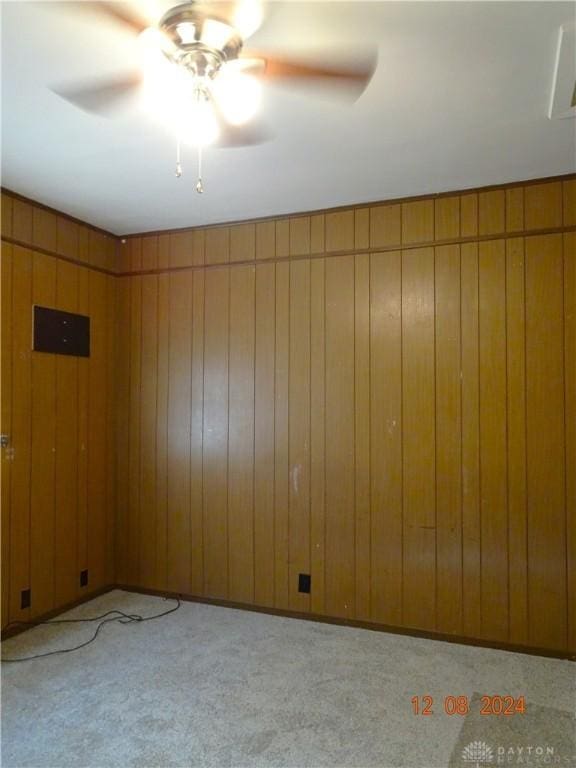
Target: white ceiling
[(459, 99)]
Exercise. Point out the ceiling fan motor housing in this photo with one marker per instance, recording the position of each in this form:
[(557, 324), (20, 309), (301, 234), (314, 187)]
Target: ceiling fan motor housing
[(202, 42)]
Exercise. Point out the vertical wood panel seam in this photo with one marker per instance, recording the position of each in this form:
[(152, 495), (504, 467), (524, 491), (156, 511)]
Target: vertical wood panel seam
[(435, 379), (204, 569), (76, 452), (309, 432), (309, 424), (105, 430), (566, 529), (527, 538), (479, 365), (191, 397), (462, 539), (275, 505), (326, 416), (290, 502), (275, 475), (507, 392), (128, 418), (87, 446), (110, 449), (139, 508), (254, 351), (354, 592), (369, 489), (167, 424), (401, 419), (525, 426), (507, 450), (460, 392), (10, 408), (128, 441), (110, 430), (202, 532), (229, 280), (169, 357), (156, 472), (32, 431)]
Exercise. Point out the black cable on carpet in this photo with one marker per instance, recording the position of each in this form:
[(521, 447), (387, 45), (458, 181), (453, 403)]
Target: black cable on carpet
[(105, 618)]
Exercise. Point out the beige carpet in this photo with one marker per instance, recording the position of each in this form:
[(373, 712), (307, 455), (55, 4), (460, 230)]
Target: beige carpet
[(211, 686)]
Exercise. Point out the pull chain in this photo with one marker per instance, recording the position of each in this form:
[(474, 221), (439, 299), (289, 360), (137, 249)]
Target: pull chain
[(178, 164), (199, 187)]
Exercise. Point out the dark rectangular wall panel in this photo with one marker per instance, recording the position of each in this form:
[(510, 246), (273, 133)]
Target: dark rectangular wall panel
[(62, 333)]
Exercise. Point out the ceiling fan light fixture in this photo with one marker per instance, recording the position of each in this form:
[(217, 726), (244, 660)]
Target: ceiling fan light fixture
[(194, 80)]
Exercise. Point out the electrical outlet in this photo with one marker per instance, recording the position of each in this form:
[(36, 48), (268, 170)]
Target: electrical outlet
[(304, 582)]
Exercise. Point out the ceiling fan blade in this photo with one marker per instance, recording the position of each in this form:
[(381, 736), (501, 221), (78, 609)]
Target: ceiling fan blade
[(351, 79), (101, 96), (124, 13), (248, 66)]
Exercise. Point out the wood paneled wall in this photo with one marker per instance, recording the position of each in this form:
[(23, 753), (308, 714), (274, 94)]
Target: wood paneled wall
[(58, 474), (383, 397)]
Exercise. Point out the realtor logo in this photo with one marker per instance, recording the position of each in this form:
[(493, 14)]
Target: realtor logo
[(477, 753)]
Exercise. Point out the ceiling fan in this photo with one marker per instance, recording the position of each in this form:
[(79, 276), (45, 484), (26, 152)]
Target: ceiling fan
[(197, 75)]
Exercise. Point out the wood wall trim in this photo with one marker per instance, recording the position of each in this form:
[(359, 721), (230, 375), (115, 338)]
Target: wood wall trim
[(59, 256), (280, 259), (36, 204), (19, 628), (295, 214), (348, 252), (342, 622), (354, 206)]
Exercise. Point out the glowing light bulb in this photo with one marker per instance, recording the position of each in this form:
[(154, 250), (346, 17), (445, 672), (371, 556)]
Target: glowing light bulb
[(215, 34), (164, 84), (248, 16), (186, 32), (238, 95)]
